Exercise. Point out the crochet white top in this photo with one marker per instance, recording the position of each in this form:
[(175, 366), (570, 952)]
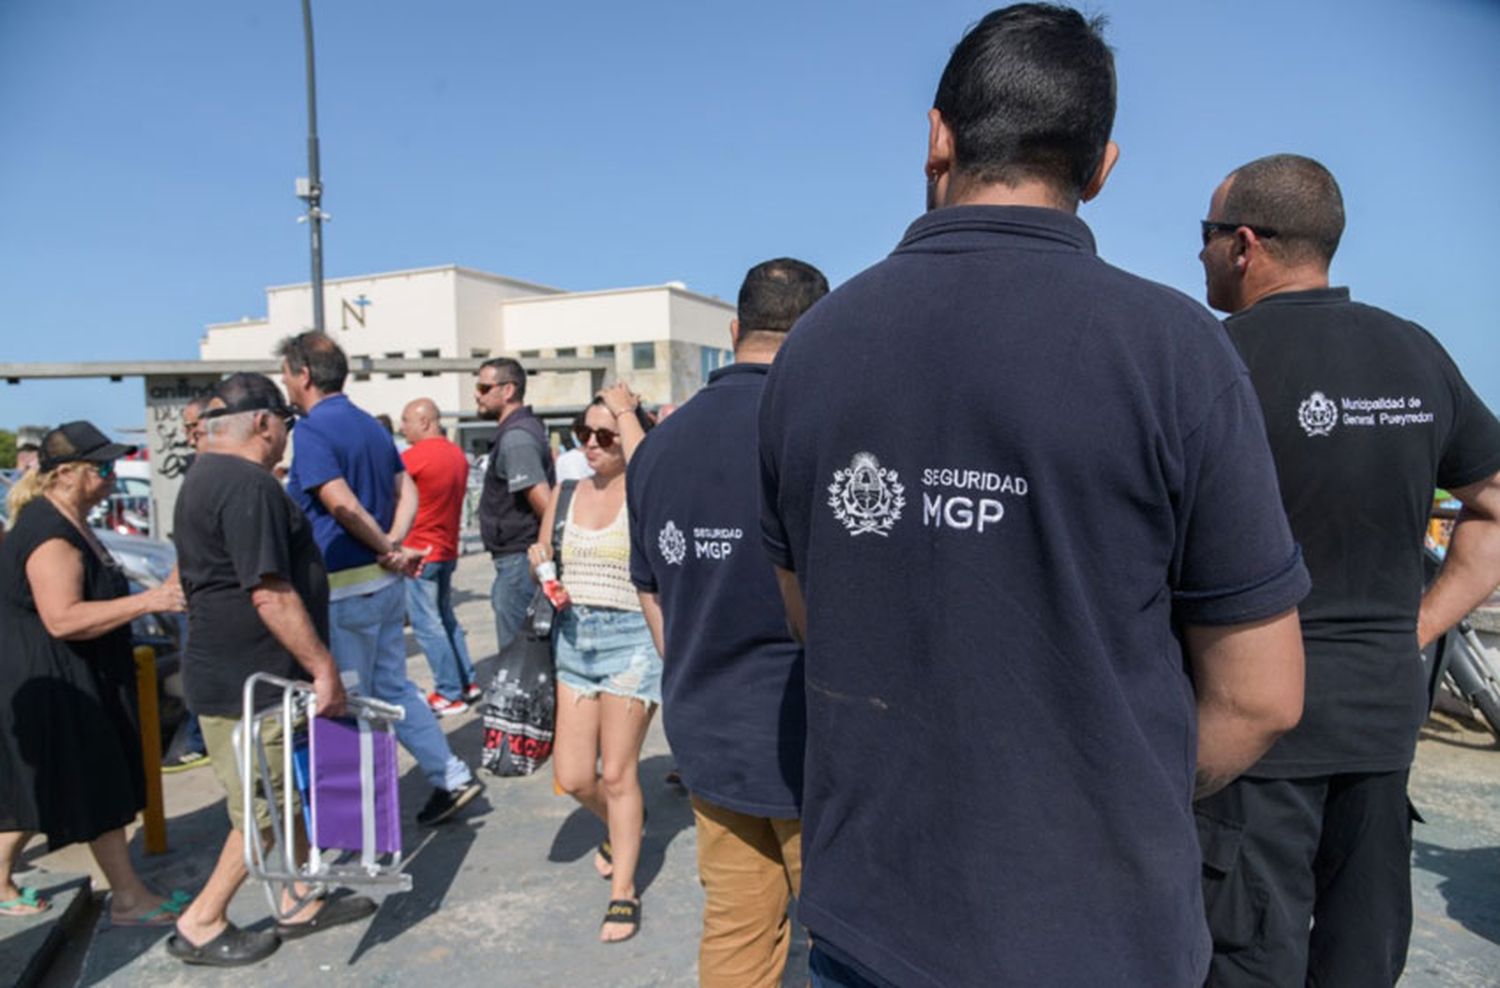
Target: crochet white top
[(596, 563)]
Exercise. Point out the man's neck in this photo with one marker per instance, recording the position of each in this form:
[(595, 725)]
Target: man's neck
[(249, 450), (1039, 194), (508, 411), (756, 354), (313, 397), (1280, 281)]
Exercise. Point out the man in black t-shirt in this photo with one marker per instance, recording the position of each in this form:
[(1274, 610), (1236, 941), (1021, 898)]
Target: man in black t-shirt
[(1307, 856), (732, 675), (257, 602), (517, 485), (1028, 528)]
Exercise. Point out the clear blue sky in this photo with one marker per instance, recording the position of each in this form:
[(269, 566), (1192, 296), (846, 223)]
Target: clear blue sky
[(148, 151)]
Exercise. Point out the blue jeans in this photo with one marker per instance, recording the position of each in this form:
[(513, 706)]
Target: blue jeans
[(365, 639), (429, 606), (509, 595)]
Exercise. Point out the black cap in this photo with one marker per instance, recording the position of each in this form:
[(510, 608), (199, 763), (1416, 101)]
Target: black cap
[(248, 392), (75, 441)]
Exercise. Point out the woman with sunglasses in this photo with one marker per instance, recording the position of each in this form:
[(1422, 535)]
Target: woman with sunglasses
[(608, 672), (70, 750)]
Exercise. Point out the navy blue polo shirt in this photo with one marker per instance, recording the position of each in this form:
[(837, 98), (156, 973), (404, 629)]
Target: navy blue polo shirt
[(1006, 474), (732, 700), (337, 439)]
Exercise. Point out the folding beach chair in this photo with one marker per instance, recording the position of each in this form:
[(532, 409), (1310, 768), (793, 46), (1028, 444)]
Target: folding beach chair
[(344, 770)]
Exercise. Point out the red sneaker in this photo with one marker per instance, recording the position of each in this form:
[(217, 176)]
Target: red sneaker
[(448, 708)]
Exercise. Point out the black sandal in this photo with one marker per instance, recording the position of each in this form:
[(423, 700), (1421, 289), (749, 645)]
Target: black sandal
[(606, 849), (626, 911), (233, 947)]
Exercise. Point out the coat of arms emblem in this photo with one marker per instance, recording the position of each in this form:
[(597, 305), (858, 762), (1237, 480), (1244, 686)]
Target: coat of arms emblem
[(672, 543), (1317, 414), (866, 497)]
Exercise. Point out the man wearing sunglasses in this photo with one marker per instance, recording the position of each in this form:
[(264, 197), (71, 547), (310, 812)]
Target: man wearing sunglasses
[(1307, 856), (517, 486)]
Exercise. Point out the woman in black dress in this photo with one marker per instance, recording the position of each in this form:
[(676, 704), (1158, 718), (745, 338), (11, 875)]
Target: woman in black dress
[(70, 752)]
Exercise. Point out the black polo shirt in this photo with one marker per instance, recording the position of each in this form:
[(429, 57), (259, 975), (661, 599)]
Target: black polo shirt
[(732, 679), (1365, 413), (1001, 470)]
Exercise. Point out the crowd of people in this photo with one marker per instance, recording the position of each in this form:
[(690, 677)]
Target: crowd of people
[(1023, 622)]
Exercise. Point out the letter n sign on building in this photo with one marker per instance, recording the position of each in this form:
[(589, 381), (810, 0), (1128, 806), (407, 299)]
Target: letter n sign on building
[(167, 441)]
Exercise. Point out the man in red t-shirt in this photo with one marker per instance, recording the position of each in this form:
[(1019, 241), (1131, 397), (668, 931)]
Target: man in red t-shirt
[(441, 473)]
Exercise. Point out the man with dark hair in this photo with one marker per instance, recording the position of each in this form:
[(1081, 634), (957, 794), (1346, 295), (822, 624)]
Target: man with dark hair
[(1026, 581), (257, 602), (348, 478), (517, 485), (732, 677), (1307, 874)]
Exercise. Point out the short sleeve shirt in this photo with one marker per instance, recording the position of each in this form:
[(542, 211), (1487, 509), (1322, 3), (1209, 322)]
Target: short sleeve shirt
[(1004, 474), (337, 439), (1365, 414), (519, 460), (441, 472), (732, 700), (233, 527)]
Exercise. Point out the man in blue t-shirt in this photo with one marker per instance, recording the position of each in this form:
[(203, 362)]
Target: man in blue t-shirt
[(732, 674), (1307, 856), (1027, 525), (348, 479)]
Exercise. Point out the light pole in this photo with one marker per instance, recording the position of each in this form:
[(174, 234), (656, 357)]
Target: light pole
[(310, 189)]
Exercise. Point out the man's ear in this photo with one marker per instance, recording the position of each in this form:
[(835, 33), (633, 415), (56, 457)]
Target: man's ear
[(940, 158), (734, 333), (1101, 174)]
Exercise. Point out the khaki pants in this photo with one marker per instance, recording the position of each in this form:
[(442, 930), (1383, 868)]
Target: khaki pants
[(750, 867), (218, 735)]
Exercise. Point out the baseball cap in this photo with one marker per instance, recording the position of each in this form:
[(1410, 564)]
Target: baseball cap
[(72, 442), (248, 392)]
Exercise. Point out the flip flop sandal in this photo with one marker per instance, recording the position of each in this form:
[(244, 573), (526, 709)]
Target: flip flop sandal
[(28, 903), (163, 915), (232, 948), (627, 912), (607, 850)]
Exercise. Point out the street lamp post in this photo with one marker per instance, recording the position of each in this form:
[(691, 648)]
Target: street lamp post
[(310, 189)]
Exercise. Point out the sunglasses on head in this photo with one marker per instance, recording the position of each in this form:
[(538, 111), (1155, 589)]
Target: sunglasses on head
[(605, 437)]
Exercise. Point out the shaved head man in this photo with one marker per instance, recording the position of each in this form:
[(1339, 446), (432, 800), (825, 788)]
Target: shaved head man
[(441, 473)]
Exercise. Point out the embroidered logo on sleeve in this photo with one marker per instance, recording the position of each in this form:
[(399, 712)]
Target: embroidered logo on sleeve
[(866, 498), (1317, 414), (672, 543)]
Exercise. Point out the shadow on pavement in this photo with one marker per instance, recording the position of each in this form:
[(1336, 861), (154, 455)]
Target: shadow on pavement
[(1468, 884), (669, 813)]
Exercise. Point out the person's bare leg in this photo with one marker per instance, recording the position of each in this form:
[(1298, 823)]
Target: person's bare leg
[(12, 842), (208, 914), (622, 729), (575, 756), (288, 901), (129, 898)]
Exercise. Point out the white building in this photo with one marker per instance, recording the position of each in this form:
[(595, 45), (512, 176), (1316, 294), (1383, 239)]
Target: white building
[(664, 340)]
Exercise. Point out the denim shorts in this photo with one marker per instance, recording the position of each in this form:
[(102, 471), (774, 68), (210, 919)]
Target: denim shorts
[(602, 650)]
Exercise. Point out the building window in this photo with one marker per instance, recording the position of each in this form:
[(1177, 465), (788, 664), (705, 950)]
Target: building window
[(567, 351), (356, 358), (605, 350), (643, 356), (398, 355), (530, 354), (429, 355), (479, 353)]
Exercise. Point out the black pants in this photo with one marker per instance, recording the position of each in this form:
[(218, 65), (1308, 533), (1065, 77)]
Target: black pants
[(1308, 881)]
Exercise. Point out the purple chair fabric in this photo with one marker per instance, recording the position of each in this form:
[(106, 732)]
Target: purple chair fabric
[(338, 786)]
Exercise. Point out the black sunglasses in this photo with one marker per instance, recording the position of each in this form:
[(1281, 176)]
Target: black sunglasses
[(1211, 227), (605, 437), (482, 388)]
